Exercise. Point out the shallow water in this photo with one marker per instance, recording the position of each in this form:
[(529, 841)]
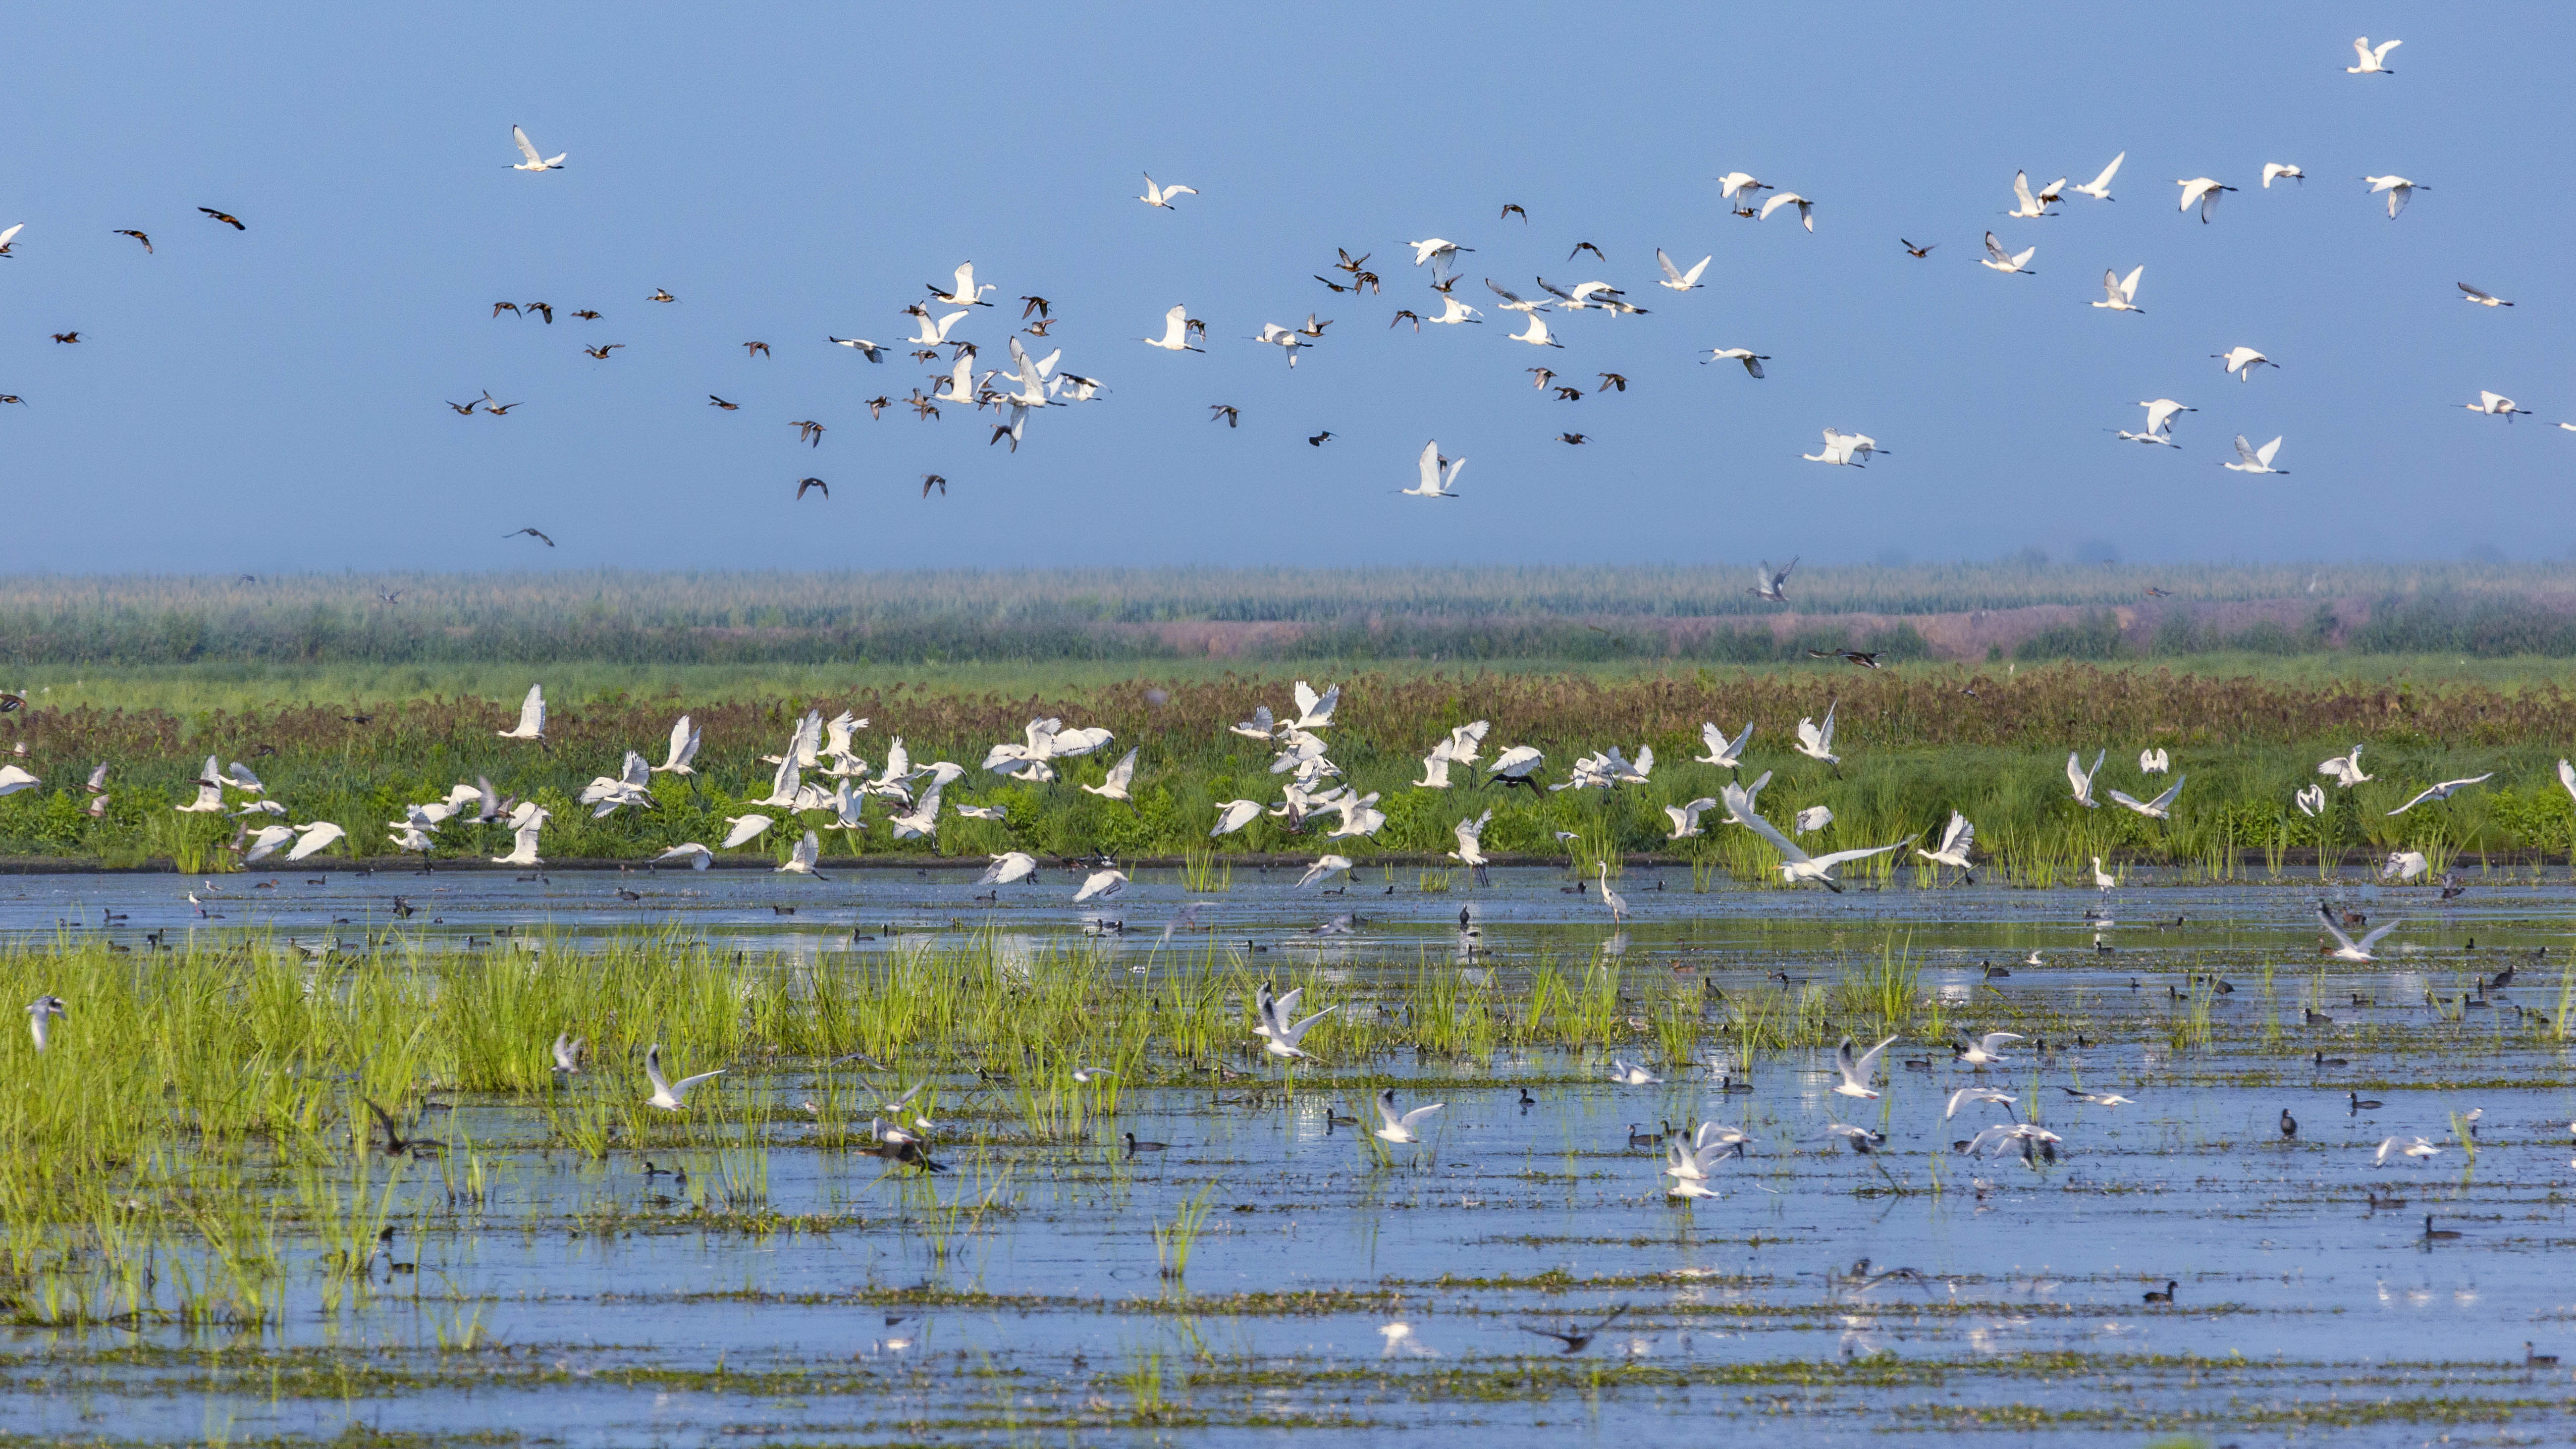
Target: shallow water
[(879, 1309)]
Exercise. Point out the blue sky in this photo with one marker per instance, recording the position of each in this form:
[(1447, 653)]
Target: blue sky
[(270, 399)]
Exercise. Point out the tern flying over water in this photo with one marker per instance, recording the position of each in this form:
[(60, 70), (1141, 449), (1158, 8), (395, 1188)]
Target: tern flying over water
[(1855, 1070), (669, 1095), (2344, 948), (1278, 1032), (1392, 1128)]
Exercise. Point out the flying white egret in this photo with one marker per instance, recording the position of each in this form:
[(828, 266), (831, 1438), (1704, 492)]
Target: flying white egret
[(1008, 867), (1439, 250), (1233, 815), (1162, 195), (1812, 819), (802, 856), (2373, 59), (1114, 786), (2311, 800), (534, 162), (2405, 865), (1806, 208), (1685, 818), (1438, 473), (2011, 263), (872, 351), (964, 292), (2496, 405), (1795, 864), (1847, 450), (2154, 762), (314, 838), (669, 1095), (2399, 189), (523, 839), (1325, 865), (698, 856), (1513, 766), (1279, 1034), (1724, 753), (1617, 903), (2443, 791), (1101, 885), (1535, 333), (2027, 205), (1957, 840), (2204, 191), (2120, 294), (2099, 188), (1288, 339), (1176, 333), (1752, 360), (2242, 361), (2160, 808), (1855, 1070), (262, 844), (1815, 741), (1453, 311), (933, 333), (1735, 181), (2478, 298), (1435, 768), (1676, 278), (684, 748), (2344, 949), (744, 828), (2346, 769), (2251, 459), (1392, 1128), (1471, 840), (532, 717), (2284, 171), (1314, 711), (2082, 779)]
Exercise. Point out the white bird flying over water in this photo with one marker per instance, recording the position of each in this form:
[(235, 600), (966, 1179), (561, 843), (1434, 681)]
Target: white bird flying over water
[(532, 717), (2242, 361), (2082, 779), (1812, 819), (528, 149), (1956, 842), (1162, 195), (2284, 171), (1752, 360), (2007, 262), (2399, 189), (1114, 786), (263, 843), (2154, 762), (2160, 808), (2344, 949), (698, 856), (1101, 885), (2120, 294), (1674, 277), (2443, 791), (1438, 473), (2496, 405), (744, 828), (2311, 800), (1815, 741), (1855, 1070), (1471, 840), (2405, 865), (1806, 208), (1535, 333), (1438, 250), (1325, 865), (2373, 60), (2251, 459), (669, 1095), (1987, 1050), (1724, 753), (2204, 191), (1176, 335), (1008, 867), (2099, 188), (1795, 864), (1685, 818), (313, 838), (1392, 1128), (2346, 769), (1233, 815), (684, 748), (524, 829), (1279, 1034)]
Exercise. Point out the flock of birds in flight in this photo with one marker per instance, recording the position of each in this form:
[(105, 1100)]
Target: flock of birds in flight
[(1033, 382)]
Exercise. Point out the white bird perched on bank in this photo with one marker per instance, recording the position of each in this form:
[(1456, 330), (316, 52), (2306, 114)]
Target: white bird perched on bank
[(2344, 949), (1471, 840), (1685, 818), (1008, 867), (2478, 298), (1162, 195), (802, 856), (1795, 864), (1752, 360), (930, 333), (2242, 361), (41, 1012), (1392, 1128), (2120, 294), (2099, 188), (2103, 880), (1812, 819), (2373, 59), (1617, 903), (1724, 753), (2159, 429), (1815, 741), (2311, 800), (2346, 769), (2160, 808), (2204, 191), (744, 828), (2000, 260), (1233, 815), (669, 1095), (314, 838), (532, 717), (2405, 865), (2284, 171), (1325, 865), (1279, 1034), (1114, 785), (2443, 791), (535, 162), (2251, 459), (2413, 1148), (2081, 779), (1806, 208), (2496, 405), (698, 856), (1855, 1070), (684, 748), (1176, 334), (1677, 279), (1957, 840), (964, 292), (2027, 205), (1101, 885), (1535, 333), (1438, 474), (2154, 762), (2399, 189)]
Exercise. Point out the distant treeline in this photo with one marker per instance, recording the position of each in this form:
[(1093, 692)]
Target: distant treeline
[(2474, 627)]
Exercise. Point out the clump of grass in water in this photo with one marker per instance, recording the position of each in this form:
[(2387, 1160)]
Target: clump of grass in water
[(1173, 1242)]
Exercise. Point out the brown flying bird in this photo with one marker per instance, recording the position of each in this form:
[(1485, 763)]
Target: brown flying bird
[(138, 236), (227, 218)]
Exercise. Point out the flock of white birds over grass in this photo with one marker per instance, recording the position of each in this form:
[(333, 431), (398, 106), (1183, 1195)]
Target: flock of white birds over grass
[(1033, 381)]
